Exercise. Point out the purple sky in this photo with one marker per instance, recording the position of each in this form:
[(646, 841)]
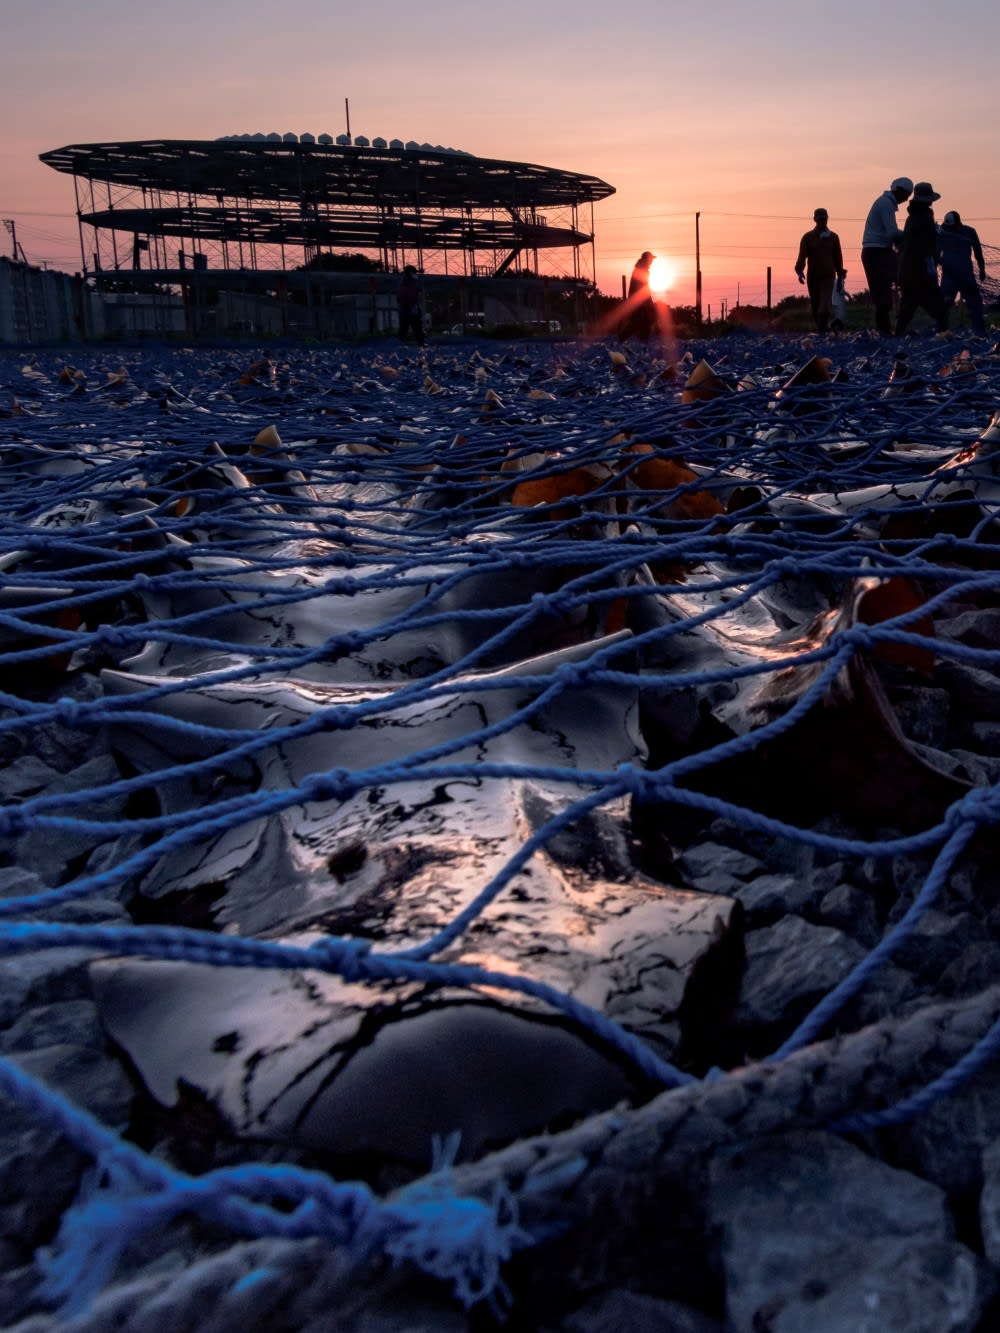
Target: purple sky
[(752, 115)]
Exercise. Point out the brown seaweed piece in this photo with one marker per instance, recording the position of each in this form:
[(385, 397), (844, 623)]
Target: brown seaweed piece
[(704, 384)]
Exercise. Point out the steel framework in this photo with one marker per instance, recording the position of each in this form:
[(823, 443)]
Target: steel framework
[(270, 203)]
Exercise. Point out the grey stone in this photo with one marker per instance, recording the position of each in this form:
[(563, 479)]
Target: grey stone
[(814, 1234), (946, 1142), (789, 967), (875, 873), (31, 979), (706, 859), (907, 875), (86, 1077), (65, 748), (976, 967), (852, 911), (51, 856), (73, 1022), (16, 882), (714, 882), (778, 855), (85, 912), (768, 898), (885, 995), (892, 1285), (977, 629), (26, 777), (111, 854), (39, 1175), (938, 938)]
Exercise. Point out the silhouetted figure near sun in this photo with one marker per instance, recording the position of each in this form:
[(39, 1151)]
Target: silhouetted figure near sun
[(957, 245), (821, 264), (639, 316), (918, 280)]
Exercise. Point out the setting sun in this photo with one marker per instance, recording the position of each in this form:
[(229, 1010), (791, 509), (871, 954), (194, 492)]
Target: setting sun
[(662, 274)]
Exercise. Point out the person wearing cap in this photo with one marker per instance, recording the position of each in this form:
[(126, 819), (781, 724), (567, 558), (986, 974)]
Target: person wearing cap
[(880, 245), (408, 305), (821, 264), (957, 245), (918, 279)]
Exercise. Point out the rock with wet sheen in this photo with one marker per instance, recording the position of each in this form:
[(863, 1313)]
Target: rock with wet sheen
[(816, 1235)]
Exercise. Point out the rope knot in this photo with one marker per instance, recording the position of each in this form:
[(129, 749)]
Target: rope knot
[(337, 785), (113, 637), (352, 641), (573, 676), (349, 957), (555, 603), (67, 711), (980, 806), (862, 636), (645, 787), (786, 566), (13, 821)]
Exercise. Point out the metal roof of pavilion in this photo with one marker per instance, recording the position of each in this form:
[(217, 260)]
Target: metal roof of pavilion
[(343, 227), (328, 174)]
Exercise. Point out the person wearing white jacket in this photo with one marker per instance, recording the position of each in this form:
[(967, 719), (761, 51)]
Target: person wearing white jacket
[(880, 245)]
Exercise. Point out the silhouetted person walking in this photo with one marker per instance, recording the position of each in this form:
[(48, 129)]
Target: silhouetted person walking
[(918, 280), (408, 304), (958, 244), (880, 246), (821, 264)]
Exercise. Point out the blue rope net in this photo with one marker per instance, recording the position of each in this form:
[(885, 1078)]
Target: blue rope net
[(338, 544)]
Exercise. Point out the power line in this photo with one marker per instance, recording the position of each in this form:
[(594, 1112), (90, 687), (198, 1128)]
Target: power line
[(28, 213)]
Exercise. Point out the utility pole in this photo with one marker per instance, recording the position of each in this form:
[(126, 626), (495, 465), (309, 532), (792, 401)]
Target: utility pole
[(769, 286), (14, 247), (697, 269)]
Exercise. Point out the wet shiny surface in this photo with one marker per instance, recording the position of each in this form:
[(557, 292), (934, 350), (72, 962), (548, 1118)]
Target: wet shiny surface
[(389, 617)]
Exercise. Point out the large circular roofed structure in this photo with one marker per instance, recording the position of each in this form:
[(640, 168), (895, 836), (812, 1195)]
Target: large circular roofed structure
[(243, 202)]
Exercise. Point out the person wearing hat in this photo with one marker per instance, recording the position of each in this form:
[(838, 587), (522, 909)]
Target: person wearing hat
[(880, 246), (957, 245), (821, 264), (918, 280), (408, 305)]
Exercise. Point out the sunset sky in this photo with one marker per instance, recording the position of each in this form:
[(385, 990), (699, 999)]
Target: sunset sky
[(751, 114)]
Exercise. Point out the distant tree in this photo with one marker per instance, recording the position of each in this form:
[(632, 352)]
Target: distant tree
[(791, 303), (341, 263), (685, 320)]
